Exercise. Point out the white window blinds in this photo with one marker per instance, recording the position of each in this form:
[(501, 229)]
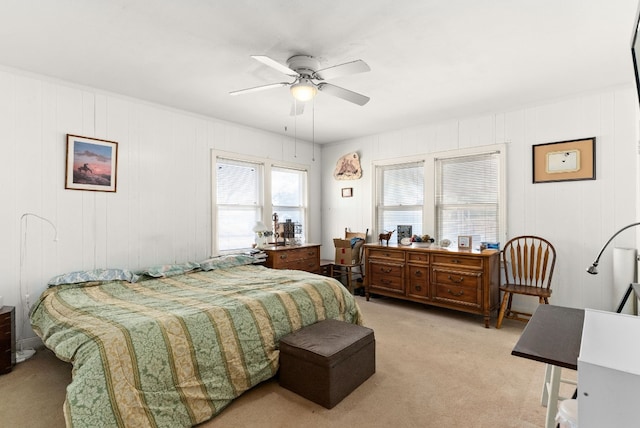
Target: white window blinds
[(400, 197), (289, 196), (239, 202), (468, 197)]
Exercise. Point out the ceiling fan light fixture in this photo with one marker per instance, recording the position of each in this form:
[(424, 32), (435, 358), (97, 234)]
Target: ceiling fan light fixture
[(303, 90)]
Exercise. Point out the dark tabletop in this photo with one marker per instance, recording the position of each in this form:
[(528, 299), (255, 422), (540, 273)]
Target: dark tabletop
[(553, 336)]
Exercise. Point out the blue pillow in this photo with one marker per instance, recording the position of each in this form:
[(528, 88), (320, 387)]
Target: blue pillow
[(93, 275)]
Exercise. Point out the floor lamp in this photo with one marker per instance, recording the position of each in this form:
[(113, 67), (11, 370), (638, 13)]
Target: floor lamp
[(593, 269), (25, 354)]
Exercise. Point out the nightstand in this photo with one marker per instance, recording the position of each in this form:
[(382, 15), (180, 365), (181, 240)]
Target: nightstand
[(7, 338), (300, 257)]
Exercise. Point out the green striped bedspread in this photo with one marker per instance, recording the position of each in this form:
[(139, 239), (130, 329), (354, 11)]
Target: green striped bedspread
[(173, 352)]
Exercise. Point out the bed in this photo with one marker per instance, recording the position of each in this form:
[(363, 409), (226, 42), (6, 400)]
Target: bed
[(174, 350)]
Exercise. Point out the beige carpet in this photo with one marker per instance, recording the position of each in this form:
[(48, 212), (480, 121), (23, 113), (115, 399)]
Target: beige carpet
[(435, 368)]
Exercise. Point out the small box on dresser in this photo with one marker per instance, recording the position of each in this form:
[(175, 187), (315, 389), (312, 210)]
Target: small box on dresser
[(7, 338)]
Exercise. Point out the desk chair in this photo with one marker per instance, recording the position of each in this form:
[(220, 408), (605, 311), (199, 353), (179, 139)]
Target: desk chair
[(528, 263), (345, 266)]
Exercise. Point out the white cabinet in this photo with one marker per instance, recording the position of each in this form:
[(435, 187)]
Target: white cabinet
[(609, 371)]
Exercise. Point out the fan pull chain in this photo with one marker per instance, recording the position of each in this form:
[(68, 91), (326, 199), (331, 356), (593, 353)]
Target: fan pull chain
[(313, 130), (295, 127)]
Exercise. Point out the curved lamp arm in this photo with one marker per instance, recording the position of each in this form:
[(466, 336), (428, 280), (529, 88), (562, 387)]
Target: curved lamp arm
[(593, 269)]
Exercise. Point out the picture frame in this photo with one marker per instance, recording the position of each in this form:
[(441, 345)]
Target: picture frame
[(404, 231), (570, 160), (347, 192), (92, 164), (464, 242)]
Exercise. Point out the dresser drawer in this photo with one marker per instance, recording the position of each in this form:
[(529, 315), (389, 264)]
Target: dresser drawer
[(457, 295), (418, 277), (297, 255), (387, 276), (382, 253), (463, 287), (417, 257), (310, 265), (457, 260), (7, 339)]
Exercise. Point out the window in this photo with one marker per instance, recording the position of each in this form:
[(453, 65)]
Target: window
[(468, 196), (251, 190), (239, 202), (444, 195), (400, 197), (288, 196)]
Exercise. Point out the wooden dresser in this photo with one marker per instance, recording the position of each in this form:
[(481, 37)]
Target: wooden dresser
[(7, 338), (463, 280), (298, 257)]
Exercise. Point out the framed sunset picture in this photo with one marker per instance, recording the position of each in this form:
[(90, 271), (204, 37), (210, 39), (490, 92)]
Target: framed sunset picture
[(91, 164)]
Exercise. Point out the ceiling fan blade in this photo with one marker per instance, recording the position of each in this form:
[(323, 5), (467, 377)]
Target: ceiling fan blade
[(352, 67), (345, 94), (258, 88), (297, 108), (275, 65)]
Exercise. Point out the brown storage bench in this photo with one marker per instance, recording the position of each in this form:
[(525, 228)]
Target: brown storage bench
[(326, 361)]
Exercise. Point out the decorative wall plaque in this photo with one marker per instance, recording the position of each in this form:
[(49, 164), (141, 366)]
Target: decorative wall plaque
[(348, 167)]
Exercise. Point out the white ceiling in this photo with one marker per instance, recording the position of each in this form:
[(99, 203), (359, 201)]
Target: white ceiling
[(430, 60)]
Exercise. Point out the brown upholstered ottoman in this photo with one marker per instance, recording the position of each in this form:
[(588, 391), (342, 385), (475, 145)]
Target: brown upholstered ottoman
[(325, 361)]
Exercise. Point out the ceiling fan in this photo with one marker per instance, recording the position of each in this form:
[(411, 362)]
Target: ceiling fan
[(304, 69)]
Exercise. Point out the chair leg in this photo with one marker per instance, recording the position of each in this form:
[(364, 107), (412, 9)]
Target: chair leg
[(508, 311), (506, 298)]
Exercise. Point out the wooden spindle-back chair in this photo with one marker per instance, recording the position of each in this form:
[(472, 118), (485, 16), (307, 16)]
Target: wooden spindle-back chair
[(528, 263)]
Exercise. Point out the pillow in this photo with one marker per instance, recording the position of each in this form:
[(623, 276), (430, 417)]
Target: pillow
[(94, 275), (228, 261), (164, 271)]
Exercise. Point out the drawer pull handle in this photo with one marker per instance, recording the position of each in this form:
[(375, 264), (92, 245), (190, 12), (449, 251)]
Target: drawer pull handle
[(388, 270), (418, 288), (418, 273), (385, 281), (455, 261), (311, 253), (460, 293), (283, 256), (458, 281)]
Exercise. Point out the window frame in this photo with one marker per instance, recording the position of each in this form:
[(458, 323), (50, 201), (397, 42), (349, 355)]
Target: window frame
[(501, 149), (264, 192), (379, 185), (429, 159), (377, 182)]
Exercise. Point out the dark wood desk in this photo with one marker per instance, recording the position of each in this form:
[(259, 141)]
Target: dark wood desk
[(553, 336)]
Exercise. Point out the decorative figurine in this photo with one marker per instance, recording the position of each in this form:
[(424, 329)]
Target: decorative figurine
[(385, 237)]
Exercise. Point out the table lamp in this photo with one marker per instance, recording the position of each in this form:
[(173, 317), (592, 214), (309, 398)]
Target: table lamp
[(259, 229)]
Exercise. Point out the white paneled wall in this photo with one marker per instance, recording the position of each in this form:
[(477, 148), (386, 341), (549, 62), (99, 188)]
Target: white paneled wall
[(578, 217), (161, 210)]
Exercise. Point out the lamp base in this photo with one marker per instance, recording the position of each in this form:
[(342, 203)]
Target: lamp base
[(24, 355)]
